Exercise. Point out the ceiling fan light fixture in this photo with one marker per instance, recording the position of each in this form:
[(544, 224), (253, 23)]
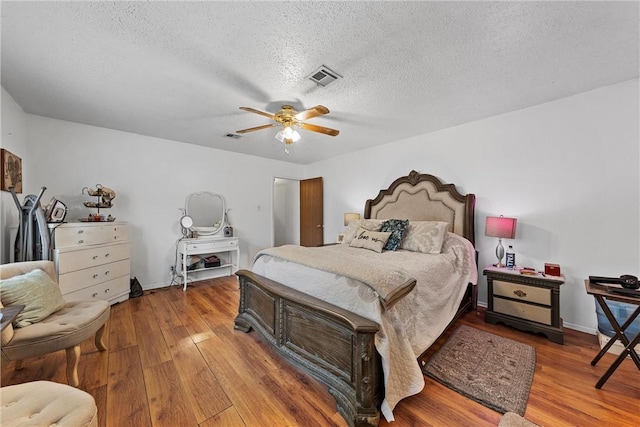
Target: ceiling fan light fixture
[(288, 135)]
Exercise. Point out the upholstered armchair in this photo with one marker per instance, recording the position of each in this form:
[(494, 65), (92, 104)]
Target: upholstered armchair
[(70, 324)]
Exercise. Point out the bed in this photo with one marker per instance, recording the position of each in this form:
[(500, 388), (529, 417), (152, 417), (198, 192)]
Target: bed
[(358, 345)]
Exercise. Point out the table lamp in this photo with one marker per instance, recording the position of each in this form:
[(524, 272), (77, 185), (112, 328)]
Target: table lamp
[(502, 228), (350, 216)]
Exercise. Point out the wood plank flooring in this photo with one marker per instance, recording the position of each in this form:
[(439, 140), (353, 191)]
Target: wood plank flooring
[(174, 359)]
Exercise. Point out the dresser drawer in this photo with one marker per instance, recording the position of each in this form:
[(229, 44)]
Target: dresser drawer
[(86, 235), (522, 310), (72, 260), (522, 292), (211, 246), (107, 291), (80, 279)]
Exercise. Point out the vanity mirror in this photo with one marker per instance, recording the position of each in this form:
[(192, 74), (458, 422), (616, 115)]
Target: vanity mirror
[(206, 210)]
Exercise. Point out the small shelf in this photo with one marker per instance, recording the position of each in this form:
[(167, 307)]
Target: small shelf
[(228, 248)]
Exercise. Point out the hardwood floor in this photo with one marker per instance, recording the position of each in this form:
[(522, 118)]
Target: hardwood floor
[(174, 359)]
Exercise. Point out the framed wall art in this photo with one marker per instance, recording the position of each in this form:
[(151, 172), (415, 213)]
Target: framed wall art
[(11, 170)]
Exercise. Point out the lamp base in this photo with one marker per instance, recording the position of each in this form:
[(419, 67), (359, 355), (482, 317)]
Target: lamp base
[(499, 254)]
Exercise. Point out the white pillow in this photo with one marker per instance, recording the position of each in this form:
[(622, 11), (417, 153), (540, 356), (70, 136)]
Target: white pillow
[(37, 291), (354, 225), (425, 236), (372, 240)]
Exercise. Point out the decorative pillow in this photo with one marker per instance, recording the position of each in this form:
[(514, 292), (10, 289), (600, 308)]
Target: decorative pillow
[(425, 236), (37, 291), (372, 240), (7, 333), (397, 228), (352, 228)]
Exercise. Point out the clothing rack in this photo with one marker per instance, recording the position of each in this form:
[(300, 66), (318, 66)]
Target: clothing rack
[(33, 241)]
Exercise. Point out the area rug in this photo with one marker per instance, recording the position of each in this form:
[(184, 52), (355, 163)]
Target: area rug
[(494, 371), (511, 419)]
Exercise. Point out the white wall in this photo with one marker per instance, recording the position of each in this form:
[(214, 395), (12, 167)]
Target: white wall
[(286, 212), (13, 131), (568, 170), (151, 178)]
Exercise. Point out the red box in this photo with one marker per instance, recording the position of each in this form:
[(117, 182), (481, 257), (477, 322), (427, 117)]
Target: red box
[(551, 269)]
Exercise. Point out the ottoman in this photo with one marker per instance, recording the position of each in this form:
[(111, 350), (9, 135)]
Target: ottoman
[(45, 403)]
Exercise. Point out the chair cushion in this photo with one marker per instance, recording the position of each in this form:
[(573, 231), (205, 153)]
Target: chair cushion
[(37, 291), (45, 403), (76, 322)]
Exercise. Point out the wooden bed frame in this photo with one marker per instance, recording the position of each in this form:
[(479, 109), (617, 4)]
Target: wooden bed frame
[(337, 346)]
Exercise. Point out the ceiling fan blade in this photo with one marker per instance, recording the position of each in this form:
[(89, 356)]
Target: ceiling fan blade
[(321, 129), (272, 125), (253, 110), (316, 111)]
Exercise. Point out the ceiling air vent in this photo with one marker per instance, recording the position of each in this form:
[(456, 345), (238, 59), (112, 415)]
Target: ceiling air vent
[(324, 75)]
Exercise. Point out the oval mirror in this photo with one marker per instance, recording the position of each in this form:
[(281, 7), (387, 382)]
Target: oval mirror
[(206, 209)]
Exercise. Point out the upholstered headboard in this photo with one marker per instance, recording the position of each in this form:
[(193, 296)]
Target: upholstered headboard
[(422, 197)]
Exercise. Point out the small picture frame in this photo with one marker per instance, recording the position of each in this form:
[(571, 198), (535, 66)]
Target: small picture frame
[(11, 171), (340, 238)]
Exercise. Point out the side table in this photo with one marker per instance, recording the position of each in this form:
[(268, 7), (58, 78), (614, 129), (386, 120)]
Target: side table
[(9, 313), (601, 294), (527, 302)]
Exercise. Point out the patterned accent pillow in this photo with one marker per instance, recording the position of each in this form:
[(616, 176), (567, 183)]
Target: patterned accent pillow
[(352, 228), (425, 236), (372, 240), (37, 291), (397, 228)]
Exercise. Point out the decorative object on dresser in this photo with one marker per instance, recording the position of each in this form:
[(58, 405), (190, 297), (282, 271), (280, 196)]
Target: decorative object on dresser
[(92, 260), (104, 200), (502, 228), (494, 371), (530, 302)]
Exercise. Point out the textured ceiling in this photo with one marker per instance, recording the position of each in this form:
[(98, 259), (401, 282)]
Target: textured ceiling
[(180, 70)]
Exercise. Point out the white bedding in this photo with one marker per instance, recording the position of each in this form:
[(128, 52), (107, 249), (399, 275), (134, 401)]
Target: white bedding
[(411, 325)]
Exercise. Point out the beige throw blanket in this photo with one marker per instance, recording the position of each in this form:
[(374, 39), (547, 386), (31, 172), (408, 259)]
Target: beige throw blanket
[(389, 282)]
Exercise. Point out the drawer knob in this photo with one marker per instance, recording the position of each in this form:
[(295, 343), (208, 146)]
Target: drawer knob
[(520, 293), (95, 276), (106, 255), (106, 291), (80, 242), (95, 257), (80, 231), (106, 273), (95, 294)]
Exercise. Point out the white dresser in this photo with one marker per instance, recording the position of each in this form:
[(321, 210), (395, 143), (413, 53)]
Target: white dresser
[(226, 249), (92, 260)]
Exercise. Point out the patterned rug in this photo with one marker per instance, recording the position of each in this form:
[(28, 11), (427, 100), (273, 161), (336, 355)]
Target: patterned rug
[(494, 371)]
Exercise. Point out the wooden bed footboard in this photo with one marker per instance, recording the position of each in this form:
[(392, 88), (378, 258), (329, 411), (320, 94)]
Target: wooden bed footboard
[(333, 345)]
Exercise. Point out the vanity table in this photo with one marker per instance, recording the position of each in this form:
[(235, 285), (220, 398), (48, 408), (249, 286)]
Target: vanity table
[(226, 249), (206, 251)]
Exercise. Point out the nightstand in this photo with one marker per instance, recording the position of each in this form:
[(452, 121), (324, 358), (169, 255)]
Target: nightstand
[(527, 302)]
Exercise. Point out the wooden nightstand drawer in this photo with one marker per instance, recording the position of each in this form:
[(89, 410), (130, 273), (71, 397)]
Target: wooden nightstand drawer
[(523, 311), (522, 292), (527, 302)]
